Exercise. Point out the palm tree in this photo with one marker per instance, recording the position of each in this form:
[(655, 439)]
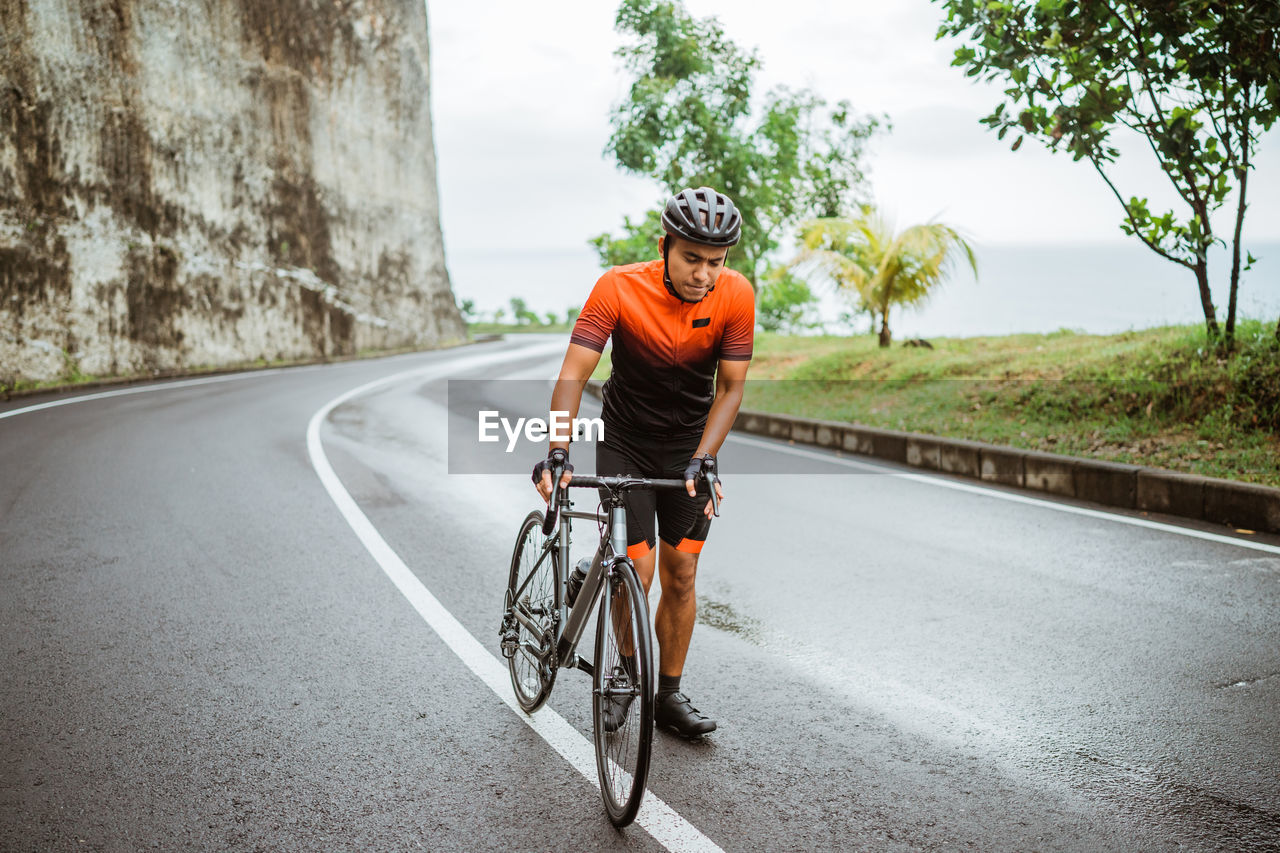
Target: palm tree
[(863, 254)]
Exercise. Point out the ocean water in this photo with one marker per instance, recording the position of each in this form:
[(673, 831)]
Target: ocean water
[(1091, 288)]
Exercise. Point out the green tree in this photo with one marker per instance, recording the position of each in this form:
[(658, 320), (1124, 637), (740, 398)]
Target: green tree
[(878, 267), (468, 309), (1198, 80), (571, 314), (785, 303), (689, 119), (520, 310), (637, 243)]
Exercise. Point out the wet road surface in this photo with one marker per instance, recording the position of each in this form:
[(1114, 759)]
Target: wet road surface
[(199, 653)]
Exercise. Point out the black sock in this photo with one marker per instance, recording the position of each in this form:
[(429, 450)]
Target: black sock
[(668, 684)]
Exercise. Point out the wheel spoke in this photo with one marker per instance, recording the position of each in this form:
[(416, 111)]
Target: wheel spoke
[(531, 587), (623, 699)]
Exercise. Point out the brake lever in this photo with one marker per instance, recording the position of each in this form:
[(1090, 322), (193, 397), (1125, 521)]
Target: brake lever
[(711, 487), (553, 503)]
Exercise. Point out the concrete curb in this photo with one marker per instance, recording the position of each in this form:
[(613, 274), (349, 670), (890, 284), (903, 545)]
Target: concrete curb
[(1241, 505)]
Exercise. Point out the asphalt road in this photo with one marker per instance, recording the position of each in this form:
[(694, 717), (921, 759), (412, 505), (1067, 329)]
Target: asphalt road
[(199, 652)]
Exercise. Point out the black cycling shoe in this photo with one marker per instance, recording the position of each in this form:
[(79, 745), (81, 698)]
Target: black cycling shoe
[(674, 711), (616, 707)]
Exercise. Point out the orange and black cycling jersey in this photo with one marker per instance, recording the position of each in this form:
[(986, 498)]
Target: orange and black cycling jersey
[(665, 351)]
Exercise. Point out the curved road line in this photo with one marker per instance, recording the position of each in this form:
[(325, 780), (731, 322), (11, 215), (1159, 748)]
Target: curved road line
[(142, 389), (657, 818), (925, 478), (945, 483)]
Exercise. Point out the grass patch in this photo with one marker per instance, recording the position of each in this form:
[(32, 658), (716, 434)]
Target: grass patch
[(1157, 397), (512, 328)]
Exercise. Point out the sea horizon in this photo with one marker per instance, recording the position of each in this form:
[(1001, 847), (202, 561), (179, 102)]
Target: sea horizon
[(1098, 288)]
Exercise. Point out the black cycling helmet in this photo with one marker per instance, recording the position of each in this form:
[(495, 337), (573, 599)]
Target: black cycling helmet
[(703, 216)]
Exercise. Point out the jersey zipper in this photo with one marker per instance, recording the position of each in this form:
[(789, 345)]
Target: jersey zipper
[(675, 368)]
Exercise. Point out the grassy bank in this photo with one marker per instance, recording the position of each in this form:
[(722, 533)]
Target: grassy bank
[(513, 329), (1155, 397)]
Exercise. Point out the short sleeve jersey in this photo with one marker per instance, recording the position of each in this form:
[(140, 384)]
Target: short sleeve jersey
[(665, 350)]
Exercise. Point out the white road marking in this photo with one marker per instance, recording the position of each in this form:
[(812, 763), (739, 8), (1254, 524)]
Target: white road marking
[(750, 440), (657, 818), (668, 827), (183, 383), (945, 483), (142, 389)]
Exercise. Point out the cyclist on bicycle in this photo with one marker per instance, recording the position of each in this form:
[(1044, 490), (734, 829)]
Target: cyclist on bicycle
[(682, 329)]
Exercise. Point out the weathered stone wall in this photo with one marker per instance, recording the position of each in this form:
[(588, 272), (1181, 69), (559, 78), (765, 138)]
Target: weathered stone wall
[(197, 183)]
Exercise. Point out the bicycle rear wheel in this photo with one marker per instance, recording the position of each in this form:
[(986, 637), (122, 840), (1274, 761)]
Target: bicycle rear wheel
[(622, 698), (532, 615)]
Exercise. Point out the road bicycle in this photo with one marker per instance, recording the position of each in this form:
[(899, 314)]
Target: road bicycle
[(545, 614)]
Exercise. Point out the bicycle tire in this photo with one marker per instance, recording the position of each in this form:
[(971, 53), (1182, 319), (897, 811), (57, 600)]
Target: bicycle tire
[(622, 746), (532, 668)]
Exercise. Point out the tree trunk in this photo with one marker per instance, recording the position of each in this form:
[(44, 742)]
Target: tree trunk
[(1242, 175), (1229, 338), (1206, 298), (886, 301)]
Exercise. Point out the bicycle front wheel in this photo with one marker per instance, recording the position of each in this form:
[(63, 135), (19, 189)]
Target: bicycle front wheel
[(622, 698), (532, 614)]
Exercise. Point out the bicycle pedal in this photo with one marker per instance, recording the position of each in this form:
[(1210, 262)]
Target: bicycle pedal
[(510, 641)]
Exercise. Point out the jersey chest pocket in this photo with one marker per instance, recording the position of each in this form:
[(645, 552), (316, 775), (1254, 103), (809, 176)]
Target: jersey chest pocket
[(700, 340)]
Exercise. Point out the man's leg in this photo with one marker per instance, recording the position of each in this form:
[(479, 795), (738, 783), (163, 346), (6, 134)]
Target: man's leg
[(673, 624), (644, 568), (677, 608)]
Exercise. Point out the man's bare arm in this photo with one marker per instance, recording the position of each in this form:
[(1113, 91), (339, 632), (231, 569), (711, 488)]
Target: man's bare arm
[(579, 363), (731, 379)]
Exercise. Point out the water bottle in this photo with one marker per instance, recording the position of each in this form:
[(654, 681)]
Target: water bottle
[(576, 577)]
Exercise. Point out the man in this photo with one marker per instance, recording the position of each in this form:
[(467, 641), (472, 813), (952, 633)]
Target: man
[(682, 330)]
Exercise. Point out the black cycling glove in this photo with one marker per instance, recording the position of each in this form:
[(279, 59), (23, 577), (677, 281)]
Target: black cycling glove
[(697, 465), (558, 456)]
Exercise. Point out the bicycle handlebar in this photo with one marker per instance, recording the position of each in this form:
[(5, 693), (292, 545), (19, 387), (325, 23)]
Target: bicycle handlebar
[(587, 481), (623, 483)]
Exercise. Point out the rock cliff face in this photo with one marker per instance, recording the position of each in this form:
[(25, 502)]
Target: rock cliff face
[(188, 184)]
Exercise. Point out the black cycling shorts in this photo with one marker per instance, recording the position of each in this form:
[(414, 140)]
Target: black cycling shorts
[(681, 523)]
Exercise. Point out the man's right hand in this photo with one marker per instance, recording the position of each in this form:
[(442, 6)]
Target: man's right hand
[(542, 472)]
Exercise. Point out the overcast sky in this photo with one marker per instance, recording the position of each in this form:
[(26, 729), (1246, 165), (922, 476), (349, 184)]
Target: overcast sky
[(521, 97)]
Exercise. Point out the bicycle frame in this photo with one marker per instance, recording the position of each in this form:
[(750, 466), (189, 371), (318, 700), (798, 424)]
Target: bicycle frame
[(545, 631), (571, 622), (613, 543)]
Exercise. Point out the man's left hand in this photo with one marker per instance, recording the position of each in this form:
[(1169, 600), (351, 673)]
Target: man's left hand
[(694, 471)]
